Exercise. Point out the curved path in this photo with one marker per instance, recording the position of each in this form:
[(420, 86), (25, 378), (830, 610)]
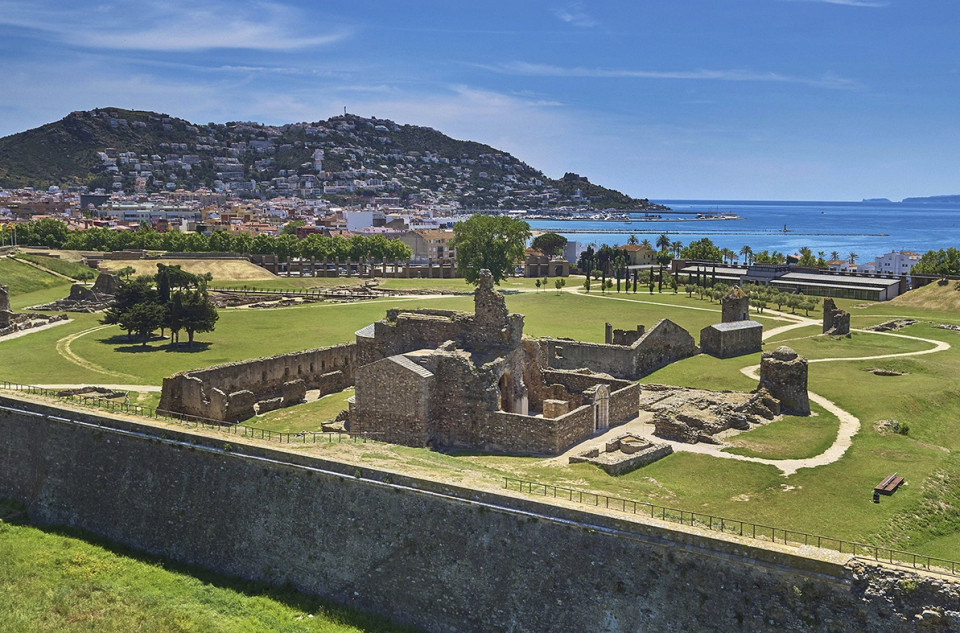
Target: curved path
[(63, 348), (849, 423)]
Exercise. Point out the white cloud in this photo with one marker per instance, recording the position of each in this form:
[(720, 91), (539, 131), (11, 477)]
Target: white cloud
[(828, 80), (574, 14), (173, 25), (848, 3)]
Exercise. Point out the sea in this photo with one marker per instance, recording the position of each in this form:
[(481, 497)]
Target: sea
[(866, 229)]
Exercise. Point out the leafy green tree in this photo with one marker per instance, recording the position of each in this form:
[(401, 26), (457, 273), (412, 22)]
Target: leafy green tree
[(130, 293), (549, 243), (142, 319), (939, 262), (192, 311), (702, 249), (495, 243), (559, 283)]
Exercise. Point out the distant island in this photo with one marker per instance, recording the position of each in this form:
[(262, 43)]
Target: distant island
[(950, 199)]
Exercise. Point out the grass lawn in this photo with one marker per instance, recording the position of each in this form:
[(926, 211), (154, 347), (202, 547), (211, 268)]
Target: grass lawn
[(62, 266), (62, 582), (790, 437), (23, 278), (305, 417)]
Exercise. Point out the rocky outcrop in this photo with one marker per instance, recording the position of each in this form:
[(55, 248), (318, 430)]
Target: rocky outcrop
[(783, 373)]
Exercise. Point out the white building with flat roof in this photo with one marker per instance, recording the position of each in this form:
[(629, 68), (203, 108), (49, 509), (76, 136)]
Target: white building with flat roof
[(897, 262)]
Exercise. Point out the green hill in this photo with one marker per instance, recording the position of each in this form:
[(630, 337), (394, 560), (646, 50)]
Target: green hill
[(353, 157)]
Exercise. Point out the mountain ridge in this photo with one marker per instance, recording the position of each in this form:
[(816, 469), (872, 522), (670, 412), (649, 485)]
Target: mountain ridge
[(345, 156)]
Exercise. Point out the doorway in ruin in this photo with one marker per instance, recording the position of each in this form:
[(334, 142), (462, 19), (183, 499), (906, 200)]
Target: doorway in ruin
[(601, 408), (512, 396)]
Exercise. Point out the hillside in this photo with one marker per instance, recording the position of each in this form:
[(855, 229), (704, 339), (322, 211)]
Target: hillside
[(345, 158), (933, 296)]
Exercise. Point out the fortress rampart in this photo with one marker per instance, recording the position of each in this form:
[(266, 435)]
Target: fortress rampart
[(436, 556)]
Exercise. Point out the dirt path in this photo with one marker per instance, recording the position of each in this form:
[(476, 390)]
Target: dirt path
[(63, 348)]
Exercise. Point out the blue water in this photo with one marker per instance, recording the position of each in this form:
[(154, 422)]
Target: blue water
[(867, 229)]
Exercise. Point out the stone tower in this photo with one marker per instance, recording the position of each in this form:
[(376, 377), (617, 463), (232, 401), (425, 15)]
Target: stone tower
[(783, 373), (736, 306)]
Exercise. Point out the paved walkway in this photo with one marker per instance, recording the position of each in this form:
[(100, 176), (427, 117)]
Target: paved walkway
[(32, 330)]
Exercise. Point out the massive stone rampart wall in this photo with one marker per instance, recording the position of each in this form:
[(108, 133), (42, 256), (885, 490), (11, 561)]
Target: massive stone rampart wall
[(436, 556)]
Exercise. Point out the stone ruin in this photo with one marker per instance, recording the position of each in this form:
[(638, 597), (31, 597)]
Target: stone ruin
[(783, 373), (835, 320), (736, 334), (84, 299), (732, 338), (735, 306), (624, 454), (11, 322), (697, 415), (451, 379), (6, 314), (621, 337)]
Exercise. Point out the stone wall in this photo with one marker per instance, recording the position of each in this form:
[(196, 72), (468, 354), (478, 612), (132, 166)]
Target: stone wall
[(835, 320), (432, 555), (219, 392), (625, 403), (5, 313), (729, 339)]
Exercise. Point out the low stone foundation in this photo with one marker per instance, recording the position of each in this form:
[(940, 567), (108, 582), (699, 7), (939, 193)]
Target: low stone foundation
[(625, 454)]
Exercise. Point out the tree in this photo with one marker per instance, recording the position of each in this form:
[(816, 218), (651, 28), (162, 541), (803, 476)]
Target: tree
[(587, 260), (676, 247), (538, 284), (126, 271), (549, 243), (702, 249), (747, 254), (559, 283), (130, 293), (191, 310), (663, 242), (939, 262), (495, 243), (143, 319), (633, 239)]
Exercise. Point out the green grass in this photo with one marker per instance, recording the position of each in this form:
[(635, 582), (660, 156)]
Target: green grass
[(831, 500), (790, 437), (62, 266), (306, 417), (23, 278), (62, 582)]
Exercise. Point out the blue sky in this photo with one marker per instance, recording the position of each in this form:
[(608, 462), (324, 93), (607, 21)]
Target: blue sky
[(728, 99)]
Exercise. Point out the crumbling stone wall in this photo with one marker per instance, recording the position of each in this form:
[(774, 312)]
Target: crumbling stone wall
[(224, 392), (729, 339), (835, 320), (6, 315), (621, 337), (735, 306), (783, 373), (664, 343)]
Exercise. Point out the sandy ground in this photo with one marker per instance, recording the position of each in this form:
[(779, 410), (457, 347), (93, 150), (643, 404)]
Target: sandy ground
[(221, 269)]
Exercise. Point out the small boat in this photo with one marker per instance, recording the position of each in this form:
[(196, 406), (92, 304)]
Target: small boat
[(784, 229)]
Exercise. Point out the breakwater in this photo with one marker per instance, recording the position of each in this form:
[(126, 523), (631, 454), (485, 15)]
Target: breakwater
[(437, 556)]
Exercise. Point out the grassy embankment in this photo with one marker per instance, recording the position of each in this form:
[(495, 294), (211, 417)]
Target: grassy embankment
[(62, 581)]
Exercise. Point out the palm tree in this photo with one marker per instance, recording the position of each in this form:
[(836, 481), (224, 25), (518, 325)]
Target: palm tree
[(646, 243), (663, 242), (676, 247), (728, 254), (853, 258), (747, 253), (834, 255)]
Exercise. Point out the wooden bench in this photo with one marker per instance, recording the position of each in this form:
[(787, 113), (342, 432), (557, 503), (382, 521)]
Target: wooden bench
[(889, 485)]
